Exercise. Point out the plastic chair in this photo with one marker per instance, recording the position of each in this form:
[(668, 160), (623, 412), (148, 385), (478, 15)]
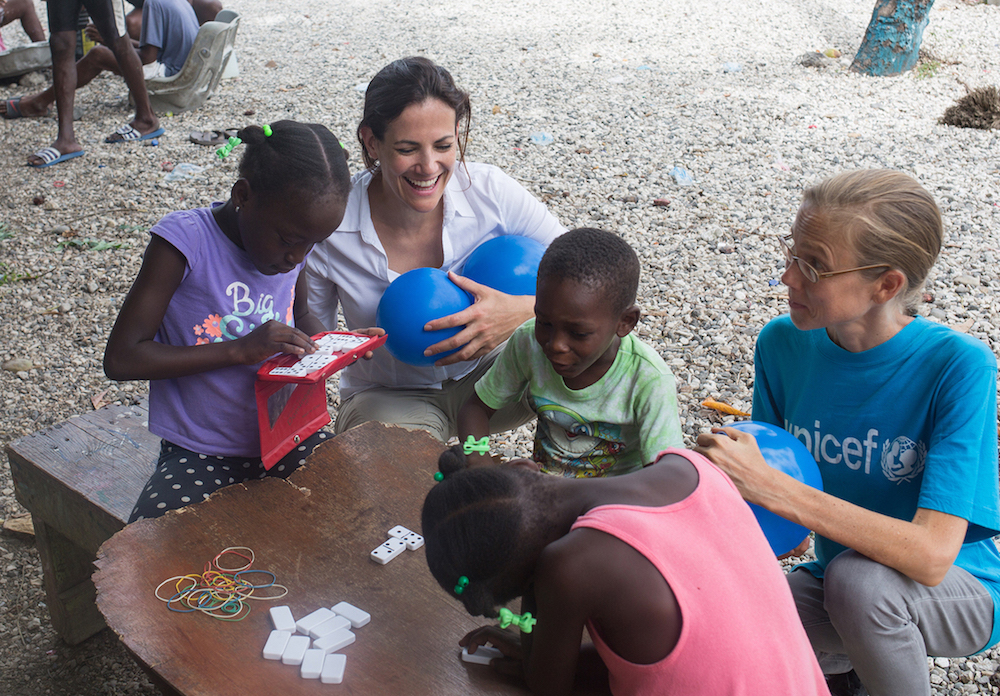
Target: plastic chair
[(232, 68), (199, 78), (25, 59)]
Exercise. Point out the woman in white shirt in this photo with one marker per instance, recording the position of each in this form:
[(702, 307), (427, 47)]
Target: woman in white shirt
[(419, 204)]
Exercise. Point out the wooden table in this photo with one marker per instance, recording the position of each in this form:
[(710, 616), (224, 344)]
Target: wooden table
[(315, 531)]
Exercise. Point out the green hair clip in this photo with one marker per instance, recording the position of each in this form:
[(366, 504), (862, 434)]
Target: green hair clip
[(463, 582), (267, 130), (438, 476), (228, 147), (471, 444), (524, 622)]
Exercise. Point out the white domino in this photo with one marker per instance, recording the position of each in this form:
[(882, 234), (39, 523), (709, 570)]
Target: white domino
[(482, 656), (388, 551), (292, 371), (333, 343), (329, 626), (333, 669), (316, 361), (312, 664), (399, 531), (275, 645), (413, 541), (357, 617), (282, 619), (311, 621), (335, 641), (295, 650)]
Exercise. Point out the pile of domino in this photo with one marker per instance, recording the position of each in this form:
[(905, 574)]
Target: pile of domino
[(312, 642)]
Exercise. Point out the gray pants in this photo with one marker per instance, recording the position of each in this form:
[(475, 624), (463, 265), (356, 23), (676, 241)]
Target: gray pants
[(869, 617), (433, 410)]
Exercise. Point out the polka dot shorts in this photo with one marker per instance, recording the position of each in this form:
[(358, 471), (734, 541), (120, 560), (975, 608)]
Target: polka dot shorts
[(183, 477)]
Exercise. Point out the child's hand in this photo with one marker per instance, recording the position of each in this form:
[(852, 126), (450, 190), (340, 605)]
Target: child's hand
[(529, 464), (270, 338), (507, 642), (371, 331), (476, 459)]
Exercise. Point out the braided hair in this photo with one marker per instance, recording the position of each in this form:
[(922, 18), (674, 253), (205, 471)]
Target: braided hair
[(474, 524), (304, 157)]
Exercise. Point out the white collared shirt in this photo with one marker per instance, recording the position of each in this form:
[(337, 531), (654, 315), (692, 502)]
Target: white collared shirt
[(350, 268)]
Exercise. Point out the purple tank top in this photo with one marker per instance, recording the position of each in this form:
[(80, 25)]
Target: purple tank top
[(221, 297)]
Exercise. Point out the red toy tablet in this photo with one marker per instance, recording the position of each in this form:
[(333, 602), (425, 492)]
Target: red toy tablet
[(291, 390)]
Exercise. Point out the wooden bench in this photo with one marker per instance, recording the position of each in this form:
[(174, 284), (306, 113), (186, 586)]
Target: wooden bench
[(79, 480)]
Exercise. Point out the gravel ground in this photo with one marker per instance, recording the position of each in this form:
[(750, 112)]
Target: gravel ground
[(592, 106)]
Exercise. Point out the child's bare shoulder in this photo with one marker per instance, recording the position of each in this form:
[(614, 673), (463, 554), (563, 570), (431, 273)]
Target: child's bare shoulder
[(581, 563)]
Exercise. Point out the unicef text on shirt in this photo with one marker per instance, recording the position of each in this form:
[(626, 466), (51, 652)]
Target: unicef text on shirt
[(899, 458)]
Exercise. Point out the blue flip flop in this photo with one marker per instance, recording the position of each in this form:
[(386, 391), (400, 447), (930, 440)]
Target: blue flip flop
[(128, 134), (50, 156)]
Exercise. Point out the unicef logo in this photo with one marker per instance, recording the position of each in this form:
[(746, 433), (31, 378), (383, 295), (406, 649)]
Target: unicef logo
[(903, 459)]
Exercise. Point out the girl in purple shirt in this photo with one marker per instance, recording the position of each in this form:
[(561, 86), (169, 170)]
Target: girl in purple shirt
[(218, 292)]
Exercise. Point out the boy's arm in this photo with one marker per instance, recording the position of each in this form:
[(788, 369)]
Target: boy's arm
[(502, 384), (474, 420)]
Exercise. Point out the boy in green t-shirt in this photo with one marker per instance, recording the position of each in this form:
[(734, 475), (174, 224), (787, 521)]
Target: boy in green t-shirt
[(606, 402)]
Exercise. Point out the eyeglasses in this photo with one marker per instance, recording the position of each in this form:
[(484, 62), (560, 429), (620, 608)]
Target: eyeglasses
[(808, 271)]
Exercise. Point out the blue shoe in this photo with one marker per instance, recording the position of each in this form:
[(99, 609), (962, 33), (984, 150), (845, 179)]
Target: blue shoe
[(128, 134), (50, 156)]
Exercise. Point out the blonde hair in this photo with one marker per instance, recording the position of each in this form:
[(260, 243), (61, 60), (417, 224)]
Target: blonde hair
[(887, 218)]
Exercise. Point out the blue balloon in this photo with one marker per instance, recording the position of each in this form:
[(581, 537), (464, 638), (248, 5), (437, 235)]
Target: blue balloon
[(508, 264), (412, 300), (786, 453)]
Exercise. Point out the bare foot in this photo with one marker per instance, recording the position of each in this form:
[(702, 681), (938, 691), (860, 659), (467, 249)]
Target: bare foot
[(21, 107)]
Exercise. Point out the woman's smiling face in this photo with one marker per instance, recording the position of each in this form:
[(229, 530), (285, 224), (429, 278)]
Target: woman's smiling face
[(417, 155)]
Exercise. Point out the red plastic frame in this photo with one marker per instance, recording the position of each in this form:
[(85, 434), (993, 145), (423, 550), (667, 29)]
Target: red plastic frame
[(304, 412)]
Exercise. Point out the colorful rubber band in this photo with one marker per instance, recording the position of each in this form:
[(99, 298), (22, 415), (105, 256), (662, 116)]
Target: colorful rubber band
[(220, 591)]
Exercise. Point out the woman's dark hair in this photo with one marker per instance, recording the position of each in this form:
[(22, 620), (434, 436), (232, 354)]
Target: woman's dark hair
[(472, 526), (595, 258), (305, 157), (408, 81)]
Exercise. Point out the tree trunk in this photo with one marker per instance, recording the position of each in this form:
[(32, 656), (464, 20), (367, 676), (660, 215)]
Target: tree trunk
[(892, 41)]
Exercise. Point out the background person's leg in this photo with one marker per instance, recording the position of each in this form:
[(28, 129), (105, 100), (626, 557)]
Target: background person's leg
[(109, 18), (62, 44), (889, 623), (416, 409), (807, 591), (24, 11)]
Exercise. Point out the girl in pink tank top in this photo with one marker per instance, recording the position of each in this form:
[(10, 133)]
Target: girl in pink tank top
[(633, 559)]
